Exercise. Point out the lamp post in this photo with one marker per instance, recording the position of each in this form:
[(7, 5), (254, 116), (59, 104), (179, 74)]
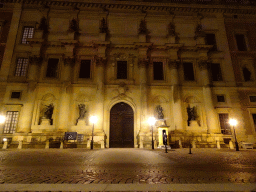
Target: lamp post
[(152, 121), (233, 122), (93, 120)]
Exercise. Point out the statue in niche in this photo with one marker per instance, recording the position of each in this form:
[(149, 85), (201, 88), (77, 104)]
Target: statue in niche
[(43, 25), (73, 26), (82, 111), (143, 28), (247, 74), (171, 29), (192, 114), (48, 111), (103, 26), (159, 110)]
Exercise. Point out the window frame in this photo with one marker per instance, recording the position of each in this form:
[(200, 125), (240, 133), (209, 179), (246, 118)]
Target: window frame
[(13, 92), (163, 69), (229, 130), (184, 75), (57, 70), (245, 40), (22, 66), (221, 73), (24, 40), (80, 63), (215, 46), (250, 99), (225, 101), (11, 129), (127, 70)]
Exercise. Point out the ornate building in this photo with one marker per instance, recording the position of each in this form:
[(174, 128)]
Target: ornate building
[(188, 63)]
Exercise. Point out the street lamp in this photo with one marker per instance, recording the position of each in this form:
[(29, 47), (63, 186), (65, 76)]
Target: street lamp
[(93, 120), (233, 122), (2, 118), (152, 121)]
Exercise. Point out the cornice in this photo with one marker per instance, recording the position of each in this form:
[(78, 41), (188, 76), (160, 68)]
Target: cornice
[(172, 6)]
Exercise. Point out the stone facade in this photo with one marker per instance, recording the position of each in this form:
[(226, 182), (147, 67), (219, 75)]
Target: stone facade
[(64, 55)]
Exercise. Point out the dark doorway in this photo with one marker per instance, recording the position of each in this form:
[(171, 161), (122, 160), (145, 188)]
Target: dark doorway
[(121, 126)]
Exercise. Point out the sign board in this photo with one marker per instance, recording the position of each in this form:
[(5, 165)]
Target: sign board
[(80, 137), (70, 135)]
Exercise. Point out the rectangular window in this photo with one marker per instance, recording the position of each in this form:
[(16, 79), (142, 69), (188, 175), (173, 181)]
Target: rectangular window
[(85, 69), (21, 67), (121, 69), (252, 98), (241, 43), (28, 33), (52, 68), (224, 124), (188, 71), (254, 120), (11, 121), (211, 40), (216, 72), (158, 70), (220, 98), (15, 95)]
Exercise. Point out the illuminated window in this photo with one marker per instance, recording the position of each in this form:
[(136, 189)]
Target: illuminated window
[(11, 121), (28, 33), (21, 67)]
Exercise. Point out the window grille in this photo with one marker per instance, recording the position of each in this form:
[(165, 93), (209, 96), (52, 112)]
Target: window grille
[(11, 121), (224, 124), (21, 67), (28, 33)]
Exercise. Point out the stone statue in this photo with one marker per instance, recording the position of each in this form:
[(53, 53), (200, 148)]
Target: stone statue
[(82, 111), (103, 26), (191, 113), (48, 111), (159, 110)]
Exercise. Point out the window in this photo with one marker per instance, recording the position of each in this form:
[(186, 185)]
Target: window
[(11, 121), (211, 40), (224, 124), (220, 98), (85, 69), (241, 43), (188, 71), (252, 98), (15, 95), (121, 69), (21, 67), (254, 120), (247, 74), (216, 72), (28, 33), (52, 68), (158, 70)]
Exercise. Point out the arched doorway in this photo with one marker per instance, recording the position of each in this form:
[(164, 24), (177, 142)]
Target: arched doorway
[(121, 126)]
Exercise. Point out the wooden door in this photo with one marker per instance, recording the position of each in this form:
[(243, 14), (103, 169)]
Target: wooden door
[(121, 126)]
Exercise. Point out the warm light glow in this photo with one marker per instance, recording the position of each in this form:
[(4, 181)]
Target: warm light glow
[(4, 139), (151, 120), (233, 122), (2, 119), (93, 119)]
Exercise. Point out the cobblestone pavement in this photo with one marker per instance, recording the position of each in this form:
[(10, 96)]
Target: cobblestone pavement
[(126, 166)]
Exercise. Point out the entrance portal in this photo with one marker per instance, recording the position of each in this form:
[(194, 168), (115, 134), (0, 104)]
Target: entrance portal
[(121, 126)]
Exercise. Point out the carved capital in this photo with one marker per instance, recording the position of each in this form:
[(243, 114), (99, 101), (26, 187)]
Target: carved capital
[(174, 64), (35, 60), (203, 64), (69, 61), (100, 61), (143, 62)]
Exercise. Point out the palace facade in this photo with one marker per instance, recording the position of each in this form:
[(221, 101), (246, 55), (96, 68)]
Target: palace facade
[(190, 64)]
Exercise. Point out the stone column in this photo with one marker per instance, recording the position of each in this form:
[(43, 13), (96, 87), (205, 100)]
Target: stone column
[(143, 63), (100, 63), (63, 119), (211, 116), (177, 104), (10, 44), (27, 109)]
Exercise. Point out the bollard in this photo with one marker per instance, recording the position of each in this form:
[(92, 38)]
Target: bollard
[(20, 145)]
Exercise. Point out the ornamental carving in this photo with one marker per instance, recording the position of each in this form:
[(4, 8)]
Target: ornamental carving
[(203, 65), (100, 61), (69, 61), (199, 31), (35, 60), (174, 64), (143, 62)]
